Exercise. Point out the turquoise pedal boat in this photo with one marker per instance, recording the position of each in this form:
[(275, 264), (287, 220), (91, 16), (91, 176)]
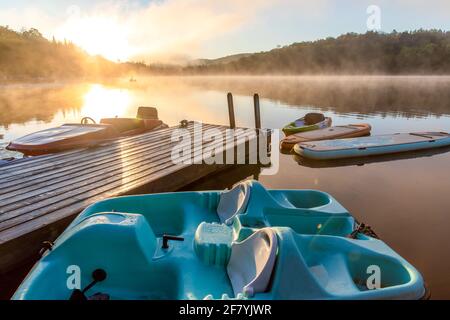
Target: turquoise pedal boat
[(371, 146), (243, 243)]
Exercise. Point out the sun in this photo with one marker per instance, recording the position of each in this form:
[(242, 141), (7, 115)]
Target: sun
[(98, 35)]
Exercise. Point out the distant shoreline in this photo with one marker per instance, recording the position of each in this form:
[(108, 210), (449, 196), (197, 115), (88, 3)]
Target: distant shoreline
[(43, 81), (29, 57)]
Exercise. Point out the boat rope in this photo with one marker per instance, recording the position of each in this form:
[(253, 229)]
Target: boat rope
[(364, 229)]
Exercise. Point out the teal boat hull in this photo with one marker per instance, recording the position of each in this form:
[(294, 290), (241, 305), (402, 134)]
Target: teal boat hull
[(315, 258)]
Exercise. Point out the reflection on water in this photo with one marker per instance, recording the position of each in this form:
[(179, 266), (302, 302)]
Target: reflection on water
[(100, 102), (39, 103), (202, 98), (406, 200), (361, 161), (353, 95)]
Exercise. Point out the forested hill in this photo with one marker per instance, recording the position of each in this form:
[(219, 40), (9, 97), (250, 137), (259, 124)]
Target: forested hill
[(416, 52), (28, 55)]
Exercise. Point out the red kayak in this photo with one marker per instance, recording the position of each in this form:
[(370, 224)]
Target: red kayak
[(85, 134)]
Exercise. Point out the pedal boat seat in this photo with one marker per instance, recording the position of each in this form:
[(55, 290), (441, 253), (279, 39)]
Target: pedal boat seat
[(233, 202), (252, 261)]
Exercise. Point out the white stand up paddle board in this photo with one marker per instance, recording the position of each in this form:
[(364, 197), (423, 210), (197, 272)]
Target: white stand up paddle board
[(374, 145)]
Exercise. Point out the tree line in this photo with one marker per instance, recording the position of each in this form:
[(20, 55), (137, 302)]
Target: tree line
[(28, 55), (414, 52)]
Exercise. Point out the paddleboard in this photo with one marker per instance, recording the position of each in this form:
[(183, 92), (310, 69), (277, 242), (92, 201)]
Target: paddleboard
[(335, 132), (311, 121), (374, 145)]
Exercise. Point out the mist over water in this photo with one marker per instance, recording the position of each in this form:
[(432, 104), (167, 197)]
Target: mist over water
[(26, 108), (405, 199), (364, 95)]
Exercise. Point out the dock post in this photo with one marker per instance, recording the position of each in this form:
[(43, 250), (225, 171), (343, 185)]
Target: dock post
[(257, 122), (257, 111), (231, 110)]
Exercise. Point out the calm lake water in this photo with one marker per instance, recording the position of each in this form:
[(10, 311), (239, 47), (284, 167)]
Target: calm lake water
[(404, 198)]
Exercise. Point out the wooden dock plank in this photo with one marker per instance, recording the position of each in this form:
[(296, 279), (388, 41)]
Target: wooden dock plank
[(32, 162), (61, 158), (40, 196), (17, 185), (7, 174), (98, 183), (93, 172)]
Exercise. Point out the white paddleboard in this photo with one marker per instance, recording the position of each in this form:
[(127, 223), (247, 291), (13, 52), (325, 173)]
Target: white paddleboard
[(373, 145)]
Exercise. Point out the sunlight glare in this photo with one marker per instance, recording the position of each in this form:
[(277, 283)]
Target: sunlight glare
[(98, 35), (101, 102)]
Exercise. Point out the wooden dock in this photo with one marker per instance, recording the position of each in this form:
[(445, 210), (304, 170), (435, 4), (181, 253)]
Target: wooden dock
[(40, 196)]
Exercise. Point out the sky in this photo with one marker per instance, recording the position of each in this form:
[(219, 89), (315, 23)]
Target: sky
[(180, 30)]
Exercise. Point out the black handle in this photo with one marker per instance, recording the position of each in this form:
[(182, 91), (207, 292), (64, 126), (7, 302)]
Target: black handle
[(166, 239), (98, 275)]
